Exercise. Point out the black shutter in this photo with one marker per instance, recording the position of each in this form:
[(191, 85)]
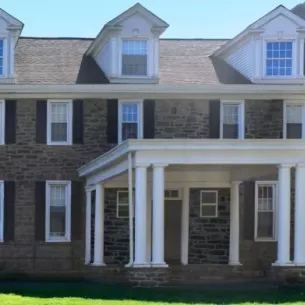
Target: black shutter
[(112, 121), (77, 200), (249, 209), (9, 210), (214, 119), (279, 134), (41, 122), (40, 210), (10, 122), (78, 122), (149, 119)]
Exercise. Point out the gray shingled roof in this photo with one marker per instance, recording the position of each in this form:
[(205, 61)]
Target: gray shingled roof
[(62, 61)]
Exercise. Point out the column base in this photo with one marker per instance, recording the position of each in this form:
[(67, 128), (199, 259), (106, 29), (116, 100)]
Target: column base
[(235, 264), (159, 265), (98, 264), (299, 264), (141, 265), (283, 264), (87, 263)]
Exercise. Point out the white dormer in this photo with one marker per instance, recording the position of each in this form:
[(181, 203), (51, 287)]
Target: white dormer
[(10, 29), (127, 48), (271, 50)]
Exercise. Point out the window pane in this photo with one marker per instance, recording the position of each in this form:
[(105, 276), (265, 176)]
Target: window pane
[(230, 131), (294, 113), (59, 132), (129, 131), (123, 198), (134, 65), (123, 211), (265, 225), (58, 195), (230, 113), (208, 210), (59, 112), (57, 221), (294, 131), (279, 58), (130, 113), (208, 197)]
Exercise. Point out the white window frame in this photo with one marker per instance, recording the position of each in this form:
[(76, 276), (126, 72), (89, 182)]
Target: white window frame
[(67, 237), (146, 38), (2, 122), (209, 204), (1, 210), (69, 122), (241, 116), (118, 204), (140, 117), (4, 57), (294, 57), (262, 183), (293, 102)]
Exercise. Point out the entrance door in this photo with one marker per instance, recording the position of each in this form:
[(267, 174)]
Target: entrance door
[(172, 224)]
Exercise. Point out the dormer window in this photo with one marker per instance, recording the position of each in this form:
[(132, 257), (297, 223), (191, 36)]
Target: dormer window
[(279, 58), (134, 58)]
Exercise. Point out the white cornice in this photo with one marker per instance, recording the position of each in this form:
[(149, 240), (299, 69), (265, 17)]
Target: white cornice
[(153, 91), (260, 148)]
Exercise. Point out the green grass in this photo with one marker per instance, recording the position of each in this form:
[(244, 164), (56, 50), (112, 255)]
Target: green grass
[(92, 294)]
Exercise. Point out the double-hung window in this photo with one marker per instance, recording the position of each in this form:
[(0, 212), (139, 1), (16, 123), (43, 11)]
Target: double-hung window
[(130, 120), (279, 58), (294, 116), (122, 210), (265, 210), (1, 57), (232, 120), (59, 131), (58, 211), (208, 203), (134, 57)]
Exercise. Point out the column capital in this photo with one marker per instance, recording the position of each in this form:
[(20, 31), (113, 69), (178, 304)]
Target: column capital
[(89, 188), (236, 182), (142, 165), (300, 165), (159, 165), (285, 165)]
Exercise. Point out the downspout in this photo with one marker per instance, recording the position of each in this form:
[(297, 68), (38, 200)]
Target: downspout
[(130, 204)]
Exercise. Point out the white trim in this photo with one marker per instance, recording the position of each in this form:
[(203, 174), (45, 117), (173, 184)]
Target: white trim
[(67, 237), (241, 117), (2, 210), (140, 122), (2, 122), (209, 204), (275, 200), (69, 122), (185, 225)]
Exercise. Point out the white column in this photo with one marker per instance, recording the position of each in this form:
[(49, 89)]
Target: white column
[(141, 217), (283, 219), (88, 227), (99, 226), (185, 226), (299, 223), (158, 216), (149, 218), (234, 224)]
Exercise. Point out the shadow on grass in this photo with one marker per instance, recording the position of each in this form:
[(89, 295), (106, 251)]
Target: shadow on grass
[(105, 292)]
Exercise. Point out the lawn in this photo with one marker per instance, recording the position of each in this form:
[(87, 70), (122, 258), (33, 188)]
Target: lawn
[(91, 294)]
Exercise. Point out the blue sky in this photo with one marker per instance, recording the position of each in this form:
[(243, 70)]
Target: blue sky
[(187, 18)]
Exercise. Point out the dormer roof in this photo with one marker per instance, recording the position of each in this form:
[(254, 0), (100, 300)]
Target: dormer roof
[(157, 23)]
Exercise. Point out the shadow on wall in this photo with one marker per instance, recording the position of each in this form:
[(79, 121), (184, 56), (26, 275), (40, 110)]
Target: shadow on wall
[(230, 294)]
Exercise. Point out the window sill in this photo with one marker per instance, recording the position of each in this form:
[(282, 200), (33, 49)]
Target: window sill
[(133, 80), (58, 241), (265, 240), (280, 80), (59, 143)]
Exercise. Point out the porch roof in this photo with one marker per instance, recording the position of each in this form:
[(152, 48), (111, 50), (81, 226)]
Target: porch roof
[(195, 151)]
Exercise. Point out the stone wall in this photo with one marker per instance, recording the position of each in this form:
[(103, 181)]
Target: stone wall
[(264, 119), (116, 231), (27, 162), (209, 237)]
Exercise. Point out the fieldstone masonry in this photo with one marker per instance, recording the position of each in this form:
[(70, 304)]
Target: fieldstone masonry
[(209, 237)]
